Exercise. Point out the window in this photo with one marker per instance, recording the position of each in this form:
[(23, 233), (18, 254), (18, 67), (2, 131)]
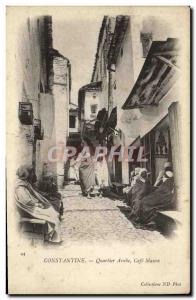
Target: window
[(72, 121), (121, 52), (94, 108)]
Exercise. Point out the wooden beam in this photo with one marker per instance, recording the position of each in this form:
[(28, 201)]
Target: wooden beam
[(170, 53), (168, 62)]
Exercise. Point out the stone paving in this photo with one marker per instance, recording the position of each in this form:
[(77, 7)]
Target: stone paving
[(98, 220)]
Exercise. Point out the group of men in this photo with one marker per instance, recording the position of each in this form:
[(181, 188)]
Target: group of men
[(145, 199)]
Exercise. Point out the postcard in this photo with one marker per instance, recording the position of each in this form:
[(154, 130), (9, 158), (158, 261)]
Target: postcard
[(98, 150)]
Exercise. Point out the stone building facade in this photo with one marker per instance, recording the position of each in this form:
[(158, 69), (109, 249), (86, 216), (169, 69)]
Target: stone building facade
[(89, 101), (43, 93), (61, 94)]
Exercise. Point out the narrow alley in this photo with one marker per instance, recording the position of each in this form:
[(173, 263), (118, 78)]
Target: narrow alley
[(98, 220), (86, 126)]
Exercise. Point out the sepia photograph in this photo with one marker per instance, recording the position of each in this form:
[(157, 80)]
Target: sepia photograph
[(98, 150)]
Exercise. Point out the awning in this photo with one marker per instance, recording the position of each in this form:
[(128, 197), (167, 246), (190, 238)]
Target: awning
[(158, 75)]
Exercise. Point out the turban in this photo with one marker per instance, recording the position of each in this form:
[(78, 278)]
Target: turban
[(23, 171)]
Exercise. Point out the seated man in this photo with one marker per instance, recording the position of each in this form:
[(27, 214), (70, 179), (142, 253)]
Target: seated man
[(161, 173), (140, 189), (162, 198), (35, 205), (47, 188), (127, 190)]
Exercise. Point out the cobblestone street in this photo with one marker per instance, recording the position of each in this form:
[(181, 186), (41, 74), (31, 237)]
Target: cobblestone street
[(98, 220)]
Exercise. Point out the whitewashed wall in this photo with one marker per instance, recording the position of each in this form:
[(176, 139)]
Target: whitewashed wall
[(61, 103), (27, 64)]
